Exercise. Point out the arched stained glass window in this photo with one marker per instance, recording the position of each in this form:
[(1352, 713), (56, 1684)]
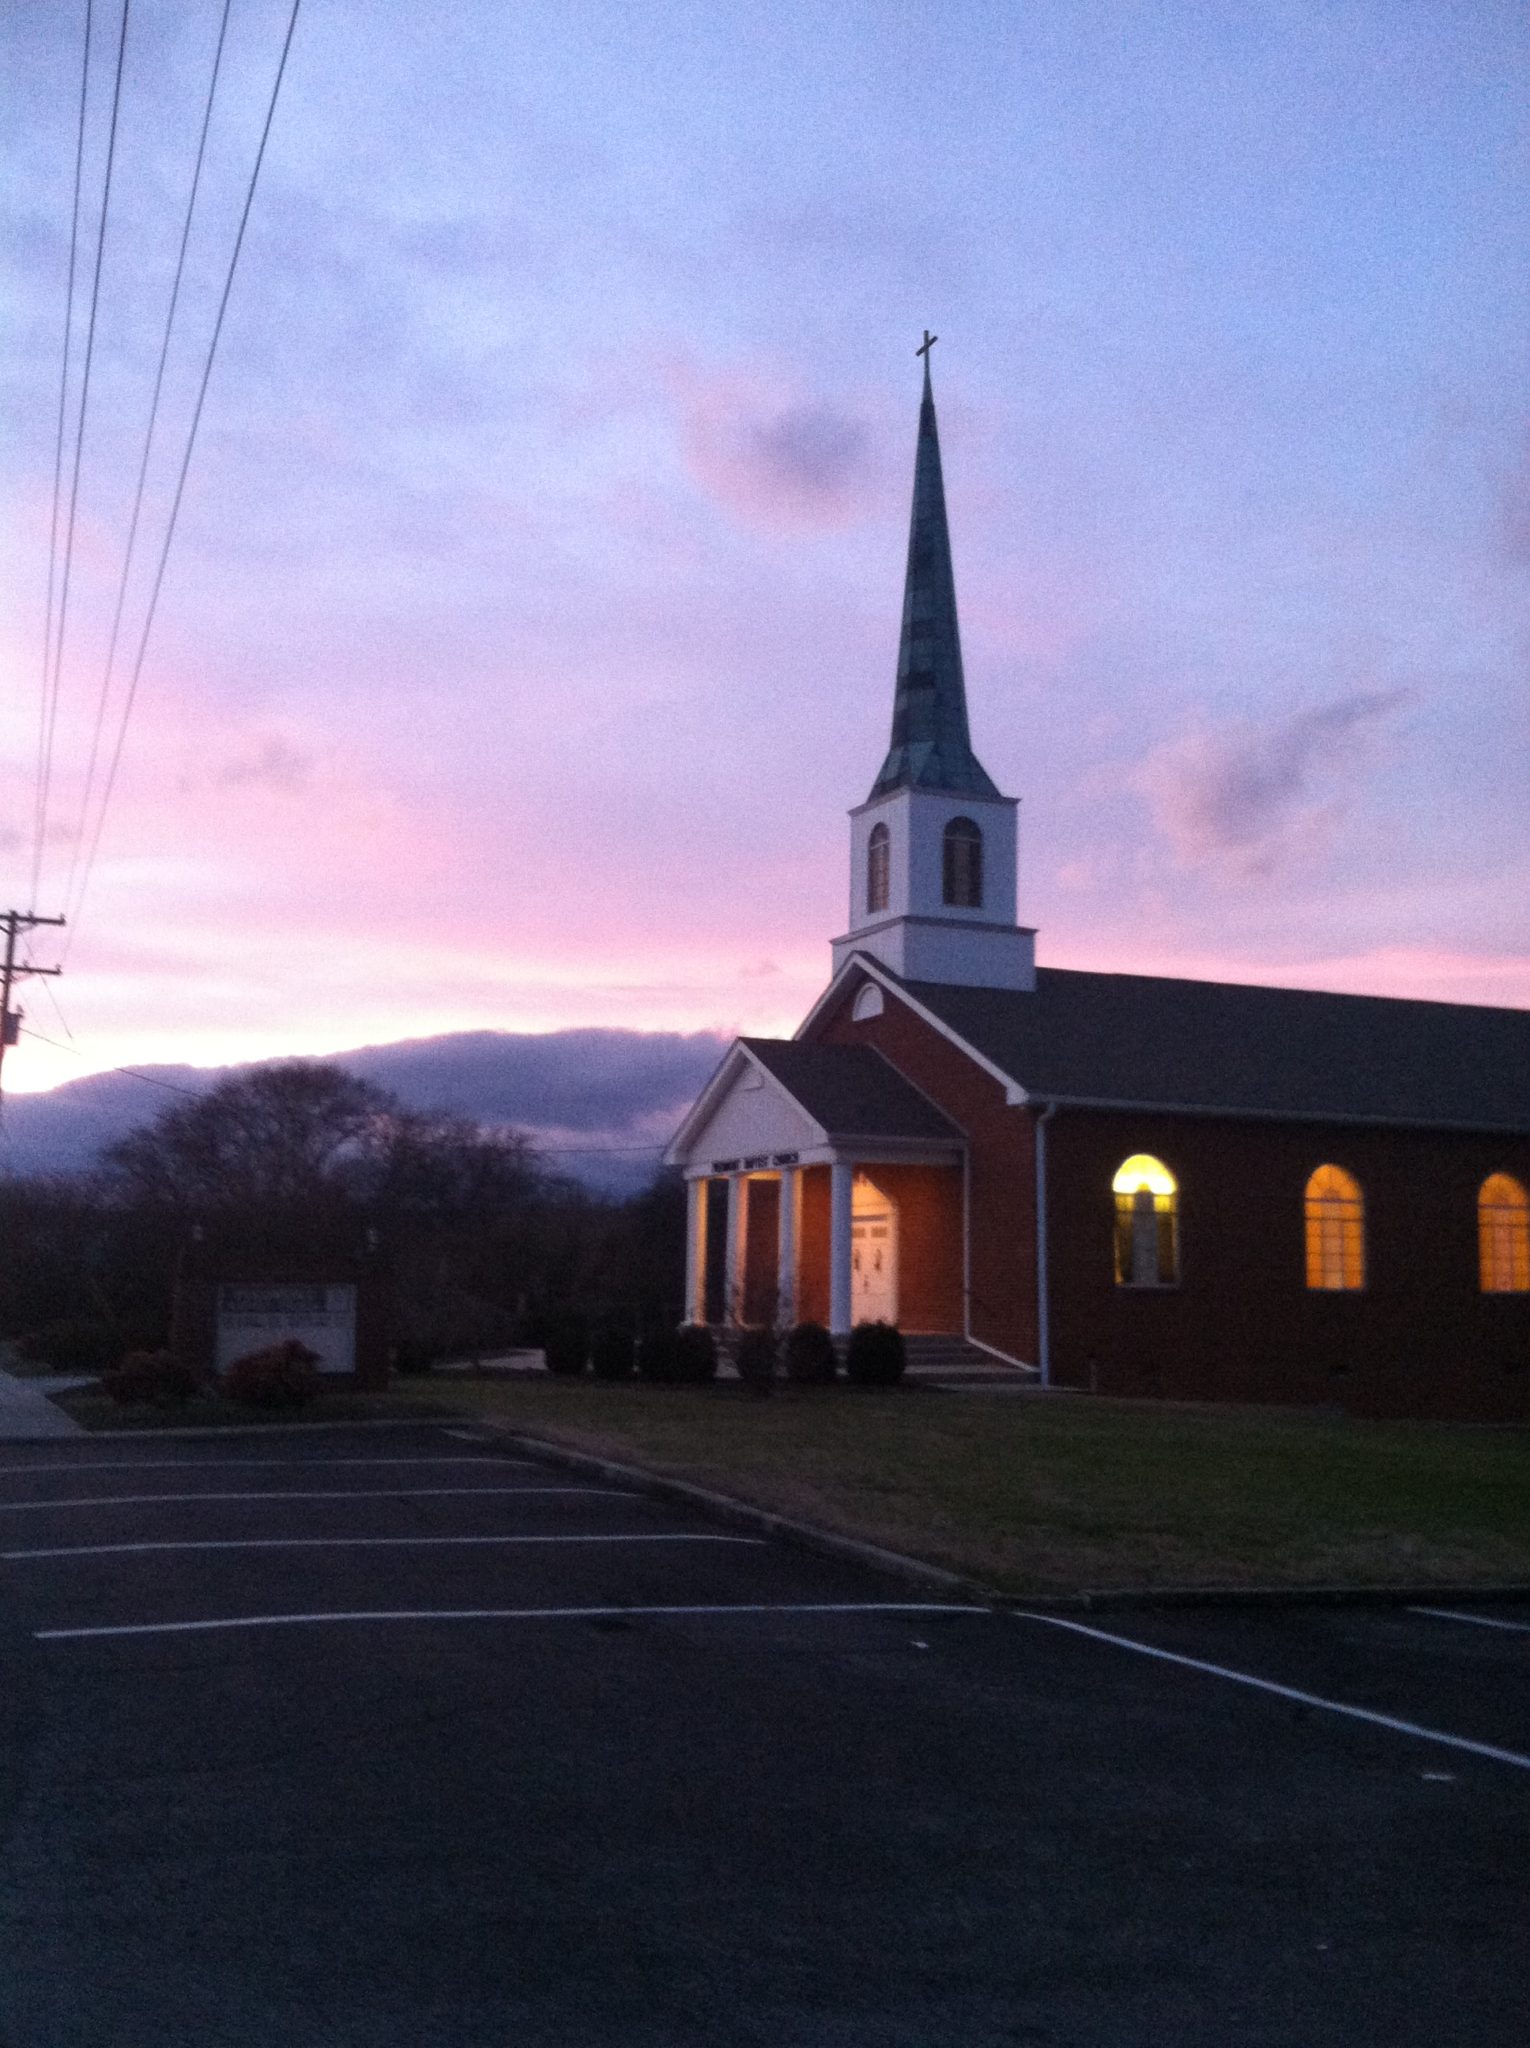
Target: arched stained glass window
[(878, 854), (1147, 1223), (962, 865), (1503, 1235), (1335, 1231)]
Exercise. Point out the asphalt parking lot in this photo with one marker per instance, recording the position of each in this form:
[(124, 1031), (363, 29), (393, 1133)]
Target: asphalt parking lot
[(386, 1736)]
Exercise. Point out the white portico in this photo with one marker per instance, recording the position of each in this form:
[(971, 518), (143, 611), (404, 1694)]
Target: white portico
[(820, 1185)]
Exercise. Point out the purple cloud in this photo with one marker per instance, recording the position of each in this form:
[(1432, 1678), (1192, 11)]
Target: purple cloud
[(776, 459), (276, 764), (1244, 796)]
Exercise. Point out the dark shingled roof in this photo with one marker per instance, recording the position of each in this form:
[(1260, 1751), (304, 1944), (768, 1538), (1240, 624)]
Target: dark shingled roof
[(1211, 1045), (852, 1091)]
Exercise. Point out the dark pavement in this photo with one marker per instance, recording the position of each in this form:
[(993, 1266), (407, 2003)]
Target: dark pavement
[(521, 1825)]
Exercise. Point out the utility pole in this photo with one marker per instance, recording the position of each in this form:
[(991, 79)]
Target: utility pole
[(13, 923)]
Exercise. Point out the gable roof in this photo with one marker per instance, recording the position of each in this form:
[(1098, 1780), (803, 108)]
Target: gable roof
[(1151, 1042), (852, 1091)]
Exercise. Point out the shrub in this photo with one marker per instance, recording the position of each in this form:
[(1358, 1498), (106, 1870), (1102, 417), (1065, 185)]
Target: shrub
[(754, 1358), (413, 1355), (694, 1358), (875, 1355), (72, 1344), (811, 1359), (157, 1376), (566, 1345), (281, 1376), (612, 1353)]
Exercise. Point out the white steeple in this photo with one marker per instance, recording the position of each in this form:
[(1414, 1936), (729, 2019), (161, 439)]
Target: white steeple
[(933, 848)]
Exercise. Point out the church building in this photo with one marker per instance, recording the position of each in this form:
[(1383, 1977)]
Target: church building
[(1119, 1183)]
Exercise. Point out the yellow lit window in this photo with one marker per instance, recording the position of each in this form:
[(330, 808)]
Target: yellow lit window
[(1503, 1235), (1335, 1230), (1147, 1223)]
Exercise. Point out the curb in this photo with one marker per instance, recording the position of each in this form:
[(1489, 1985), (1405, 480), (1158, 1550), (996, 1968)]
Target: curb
[(210, 1429), (1104, 1599), (805, 1535)]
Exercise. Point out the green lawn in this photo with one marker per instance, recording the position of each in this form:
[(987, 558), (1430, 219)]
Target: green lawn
[(1034, 1493)]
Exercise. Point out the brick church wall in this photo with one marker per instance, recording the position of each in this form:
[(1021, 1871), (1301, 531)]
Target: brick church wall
[(1002, 1164), (929, 1204), (1420, 1339)]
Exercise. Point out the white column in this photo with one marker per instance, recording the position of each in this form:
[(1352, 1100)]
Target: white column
[(841, 1196), (696, 1250), (786, 1251), (733, 1263)]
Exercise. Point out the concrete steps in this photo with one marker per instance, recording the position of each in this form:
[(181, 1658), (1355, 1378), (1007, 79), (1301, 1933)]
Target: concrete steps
[(952, 1362)]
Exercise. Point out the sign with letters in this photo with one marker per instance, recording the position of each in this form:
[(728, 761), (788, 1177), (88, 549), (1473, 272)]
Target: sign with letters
[(253, 1315)]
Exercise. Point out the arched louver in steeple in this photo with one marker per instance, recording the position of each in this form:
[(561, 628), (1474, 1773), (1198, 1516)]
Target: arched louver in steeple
[(962, 865), (878, 858)]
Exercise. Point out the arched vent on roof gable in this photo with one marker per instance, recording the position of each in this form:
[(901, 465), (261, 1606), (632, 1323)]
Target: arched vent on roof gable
[(868, 1003)]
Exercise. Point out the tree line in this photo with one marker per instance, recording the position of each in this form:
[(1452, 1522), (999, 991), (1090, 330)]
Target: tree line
[(483, 1242)]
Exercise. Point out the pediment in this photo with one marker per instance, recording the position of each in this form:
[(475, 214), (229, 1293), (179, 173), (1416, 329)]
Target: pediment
[(751, 1117)]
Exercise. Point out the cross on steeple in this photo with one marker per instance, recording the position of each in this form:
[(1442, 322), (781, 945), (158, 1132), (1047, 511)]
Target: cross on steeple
[(929, 342)]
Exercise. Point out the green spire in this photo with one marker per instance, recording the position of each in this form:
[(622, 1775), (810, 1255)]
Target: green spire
[(930, 744)]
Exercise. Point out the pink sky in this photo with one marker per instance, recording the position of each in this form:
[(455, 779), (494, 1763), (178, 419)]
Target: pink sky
[(533, 616)]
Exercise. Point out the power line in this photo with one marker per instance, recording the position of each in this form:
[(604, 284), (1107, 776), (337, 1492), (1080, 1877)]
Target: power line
[(175, 505), (596, 1151), (58, 1011), (143, 467), (132, 1072), (51, 717), (39, 820)]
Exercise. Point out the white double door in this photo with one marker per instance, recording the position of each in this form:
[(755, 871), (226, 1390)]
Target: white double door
[(874, 1265)]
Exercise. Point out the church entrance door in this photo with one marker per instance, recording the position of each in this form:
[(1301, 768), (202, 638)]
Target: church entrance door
[(874, 1261)]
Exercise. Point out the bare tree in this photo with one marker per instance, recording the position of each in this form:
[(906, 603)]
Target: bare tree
[(296, 1137)]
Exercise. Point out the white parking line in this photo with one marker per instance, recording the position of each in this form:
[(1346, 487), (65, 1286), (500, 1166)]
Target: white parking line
[(255, 1464), (366, 1543), (1519, 1628), (138, 1500), (1285, 1692), (175, 1628)]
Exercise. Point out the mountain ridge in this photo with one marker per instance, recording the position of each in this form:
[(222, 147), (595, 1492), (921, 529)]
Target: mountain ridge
[(599, 1101)]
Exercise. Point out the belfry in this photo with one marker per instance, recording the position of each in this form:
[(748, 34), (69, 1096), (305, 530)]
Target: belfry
[(1117, 1183), (933, 848)]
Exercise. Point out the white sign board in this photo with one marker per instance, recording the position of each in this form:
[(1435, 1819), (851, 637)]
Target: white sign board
[(252, 1316)]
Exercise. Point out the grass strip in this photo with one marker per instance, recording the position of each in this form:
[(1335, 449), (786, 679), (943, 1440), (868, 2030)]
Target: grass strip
[(1034, 1493), (97, 1411)]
